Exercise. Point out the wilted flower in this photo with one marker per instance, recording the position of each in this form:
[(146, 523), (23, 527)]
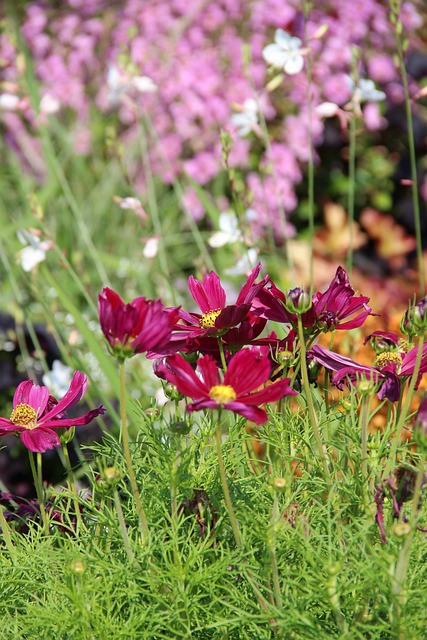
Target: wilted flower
[(136, 327), (285, 53), (37, 415), (248, 370)]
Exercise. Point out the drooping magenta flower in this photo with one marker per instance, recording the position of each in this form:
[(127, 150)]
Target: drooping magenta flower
[(391, 367), (37, 415), (247, 371), (217, 318), (138, 326), (335, 308)]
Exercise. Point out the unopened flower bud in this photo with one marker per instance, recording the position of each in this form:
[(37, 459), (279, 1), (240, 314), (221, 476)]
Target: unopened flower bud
[(112, 475), (419, 432), (415, 318), (67, 435), (172, 392), (279, 484), (180, 427), (298, 301), (402, 529), (77, 567), (365, 387)]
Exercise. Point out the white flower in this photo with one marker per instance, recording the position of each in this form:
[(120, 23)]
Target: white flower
[(49, 104), (143, 84), (9, 101), (132, 203), (34, 252), (365, 91), (245, 264), (285, 53), (151, 247), (58, 379), (245, 120), (229, 231)]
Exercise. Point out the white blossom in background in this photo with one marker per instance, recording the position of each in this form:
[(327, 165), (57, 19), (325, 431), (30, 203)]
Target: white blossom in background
[(120, 83), (285, 53), (58, 379), (245, 264), (9, 101), (228, 233), (151, 247), (132, 203), (49, 105), (330, 110), (365, 91), (34, 250), (246, 120)]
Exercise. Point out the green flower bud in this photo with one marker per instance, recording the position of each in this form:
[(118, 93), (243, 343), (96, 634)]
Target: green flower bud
[(298, 301)]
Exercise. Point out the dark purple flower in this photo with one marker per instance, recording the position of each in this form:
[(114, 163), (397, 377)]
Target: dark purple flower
[(248, 370), (37, 415), (390, 368), (335, 308), (142, 325)]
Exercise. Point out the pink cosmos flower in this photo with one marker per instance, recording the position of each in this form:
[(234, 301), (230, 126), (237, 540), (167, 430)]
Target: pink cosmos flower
[(248, 370), (136, 327), (391, 368), (37, 415), (335, 308)]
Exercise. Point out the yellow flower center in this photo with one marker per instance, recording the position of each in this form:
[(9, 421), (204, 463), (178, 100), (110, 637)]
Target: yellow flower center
[(24, 416), (386, 358), (207, 321), (222, 393)]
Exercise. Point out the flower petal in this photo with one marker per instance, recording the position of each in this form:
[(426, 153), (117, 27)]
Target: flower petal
[(270, 393), (61, 423), (248, 370), (40, 439), (76, 391), (181, 374)]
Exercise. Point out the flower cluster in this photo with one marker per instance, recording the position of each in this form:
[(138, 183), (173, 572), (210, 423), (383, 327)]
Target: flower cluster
[(144, 57)]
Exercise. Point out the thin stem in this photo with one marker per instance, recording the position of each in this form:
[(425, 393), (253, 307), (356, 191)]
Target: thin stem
[(7, 534), (310, 165), (309, 399), (143, 523), (222, 354), (351, 187), (222, 474), (39, 489), (405, 409), (273, 556), (123, 530), (363, 422), (72, 484), (405, 552), (412, 154)]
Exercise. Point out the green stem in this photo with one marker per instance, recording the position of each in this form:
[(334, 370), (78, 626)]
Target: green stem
[(412, 154), (123, 530), (309, 399), (363, 422), (222, 354), (273, 556), (351, 187), (310, 165), (143, 523), (7, 534), (39, 488), (405, 553), (405, 409), (222, 474), (72, 485)]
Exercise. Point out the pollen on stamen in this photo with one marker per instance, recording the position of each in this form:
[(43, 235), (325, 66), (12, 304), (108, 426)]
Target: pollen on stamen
[(386, 358), (207, 321), (222, 393), (24, 416)]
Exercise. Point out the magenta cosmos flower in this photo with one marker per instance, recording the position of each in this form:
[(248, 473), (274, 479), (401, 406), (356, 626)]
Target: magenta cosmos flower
[(217, 317), (391, 367), (139, 326), (335, 308), (248, 370), (37, 415)]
